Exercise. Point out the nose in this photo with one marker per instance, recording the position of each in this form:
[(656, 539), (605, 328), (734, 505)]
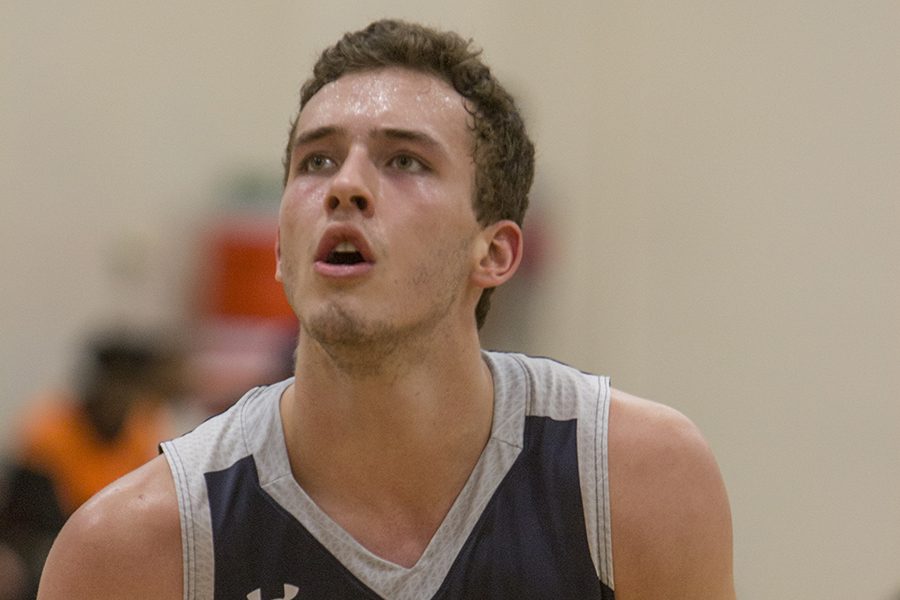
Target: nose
[(354, 186)]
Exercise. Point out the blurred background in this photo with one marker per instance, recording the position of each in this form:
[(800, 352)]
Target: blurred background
[(715, 225)]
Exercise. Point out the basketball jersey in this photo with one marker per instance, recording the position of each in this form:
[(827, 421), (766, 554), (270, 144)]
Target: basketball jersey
[(532, 520)]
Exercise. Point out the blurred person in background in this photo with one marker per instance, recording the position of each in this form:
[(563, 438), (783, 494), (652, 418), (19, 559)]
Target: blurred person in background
[(72, 443), (402, 460)]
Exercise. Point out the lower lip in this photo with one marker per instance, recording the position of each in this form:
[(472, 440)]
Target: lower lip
[(341, 271)]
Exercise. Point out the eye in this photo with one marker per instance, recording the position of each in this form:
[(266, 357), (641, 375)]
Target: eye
[(405, 162), (315, 163)]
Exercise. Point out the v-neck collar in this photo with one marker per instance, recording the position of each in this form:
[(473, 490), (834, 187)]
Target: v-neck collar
[(386, 578)]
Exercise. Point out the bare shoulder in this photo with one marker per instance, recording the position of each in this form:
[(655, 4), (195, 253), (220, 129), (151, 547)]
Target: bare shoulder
[(671, 521), (123, 543)]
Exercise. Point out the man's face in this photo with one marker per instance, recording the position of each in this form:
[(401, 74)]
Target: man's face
[(377, 233)]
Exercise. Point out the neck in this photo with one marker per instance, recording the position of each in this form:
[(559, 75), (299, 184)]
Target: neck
[(405, 433)]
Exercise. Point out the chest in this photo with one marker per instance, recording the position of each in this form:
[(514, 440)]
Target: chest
[(516, 531)]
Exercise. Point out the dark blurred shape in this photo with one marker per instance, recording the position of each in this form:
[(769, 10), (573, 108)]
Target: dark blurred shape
[(125, 373), (74, 442)]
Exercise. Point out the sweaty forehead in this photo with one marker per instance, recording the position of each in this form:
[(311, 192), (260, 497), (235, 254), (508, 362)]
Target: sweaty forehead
[(390, 96)]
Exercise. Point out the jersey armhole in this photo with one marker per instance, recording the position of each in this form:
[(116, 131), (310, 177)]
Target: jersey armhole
[(183, 495), (593, 429), (604, 533)]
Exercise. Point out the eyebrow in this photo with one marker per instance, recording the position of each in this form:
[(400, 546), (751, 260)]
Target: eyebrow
[(314, 135), (409, 135)]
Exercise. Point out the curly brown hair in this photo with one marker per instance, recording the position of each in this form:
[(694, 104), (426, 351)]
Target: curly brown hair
[(502, 152)]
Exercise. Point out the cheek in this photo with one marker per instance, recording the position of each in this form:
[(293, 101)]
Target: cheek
[(297, 200), (297, 214)]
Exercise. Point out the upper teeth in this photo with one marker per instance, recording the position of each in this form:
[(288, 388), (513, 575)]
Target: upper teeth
[(345, 247)]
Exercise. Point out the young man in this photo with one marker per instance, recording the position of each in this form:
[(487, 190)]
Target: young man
[(403, 461)]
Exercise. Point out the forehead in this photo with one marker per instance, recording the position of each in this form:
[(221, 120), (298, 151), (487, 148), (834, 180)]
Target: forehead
[(391, 97)]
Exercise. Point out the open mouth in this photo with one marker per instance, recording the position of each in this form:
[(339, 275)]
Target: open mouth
[(344, 253)]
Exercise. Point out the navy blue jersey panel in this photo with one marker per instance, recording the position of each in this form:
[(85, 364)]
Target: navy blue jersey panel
[(530, 542), (260, 546)]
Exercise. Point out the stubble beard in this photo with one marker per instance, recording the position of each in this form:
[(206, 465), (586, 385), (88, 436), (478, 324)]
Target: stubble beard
[(363, 346), (366, 344)]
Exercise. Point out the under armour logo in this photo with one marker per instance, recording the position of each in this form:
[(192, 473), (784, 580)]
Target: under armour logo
[(290, 592)]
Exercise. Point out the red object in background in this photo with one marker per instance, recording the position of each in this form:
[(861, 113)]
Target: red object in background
[(244, 330), (240, 274)]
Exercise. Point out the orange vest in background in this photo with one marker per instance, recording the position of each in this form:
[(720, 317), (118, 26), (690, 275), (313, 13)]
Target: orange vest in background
[(58, 442)]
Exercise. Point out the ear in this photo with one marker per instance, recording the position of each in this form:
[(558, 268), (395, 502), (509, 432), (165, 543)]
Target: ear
[(278, 254), (499, 254)]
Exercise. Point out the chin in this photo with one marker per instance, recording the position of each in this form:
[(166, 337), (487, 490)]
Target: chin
[(335, 325)]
